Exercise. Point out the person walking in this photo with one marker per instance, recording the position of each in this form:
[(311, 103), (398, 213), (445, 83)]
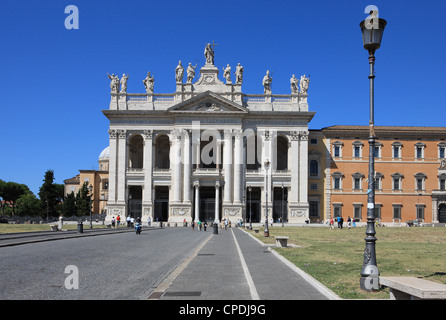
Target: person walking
[(118, 220), (149, 221), (205, 224), (349, 222), (341, 221), (113, 222), (128, 221), (331, 224), (338, 220)]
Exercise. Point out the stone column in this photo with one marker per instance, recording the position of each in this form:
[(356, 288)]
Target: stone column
[(197, 200), (295, 166), (175, 161), (238, 161), (122, 166), (217, 201), (112, 174), (227, 167), (148, 167), (186, 168), (303, 168)]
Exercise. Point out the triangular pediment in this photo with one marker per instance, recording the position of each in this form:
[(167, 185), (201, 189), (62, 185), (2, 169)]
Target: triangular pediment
[(208, 102)]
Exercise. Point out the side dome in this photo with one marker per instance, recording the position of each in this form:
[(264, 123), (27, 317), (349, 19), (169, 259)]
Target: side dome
[(105, 154)]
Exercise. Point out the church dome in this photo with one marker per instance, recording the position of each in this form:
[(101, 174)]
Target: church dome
[(105, 154)]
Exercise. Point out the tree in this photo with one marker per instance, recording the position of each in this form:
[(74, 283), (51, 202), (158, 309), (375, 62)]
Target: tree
[(11, 192), (83, 200), (49, 195), (69, 207), (29, 205)]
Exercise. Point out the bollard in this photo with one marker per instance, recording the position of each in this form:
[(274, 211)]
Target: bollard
[(80, 227), (215, 226)]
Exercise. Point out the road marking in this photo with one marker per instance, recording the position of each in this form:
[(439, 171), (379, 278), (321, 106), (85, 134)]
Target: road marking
[(162, 287), (252, 287)]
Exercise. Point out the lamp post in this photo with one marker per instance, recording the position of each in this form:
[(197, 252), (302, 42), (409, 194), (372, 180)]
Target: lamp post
[(266, 232), (283, 200), (372, 31), (91, 207), (250, 208)]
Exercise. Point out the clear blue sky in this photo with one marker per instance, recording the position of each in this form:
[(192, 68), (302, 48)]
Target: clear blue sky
[(54, 81)]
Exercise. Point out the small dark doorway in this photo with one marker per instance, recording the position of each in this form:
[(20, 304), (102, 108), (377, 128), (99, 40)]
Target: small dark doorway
[(161, 204), (207, 204), (280, 204), (135, 201), (253, 203), (442, 213)]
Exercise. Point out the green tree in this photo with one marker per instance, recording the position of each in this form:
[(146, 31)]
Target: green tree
[(69, 207), (83, 200), (49, 194), (10, 192), (29, 205)]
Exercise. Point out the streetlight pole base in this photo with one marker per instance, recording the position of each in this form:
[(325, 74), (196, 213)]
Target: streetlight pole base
[(266, 234), (369, 284)]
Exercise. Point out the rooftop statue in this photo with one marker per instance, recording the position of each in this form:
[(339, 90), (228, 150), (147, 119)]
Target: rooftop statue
[(124, 83), (227, 73), (114, 83), (304, 83), (294, 82), (209, 54), (190, 73), (179, 72), (267, 80), (149, 82), (238, 74)]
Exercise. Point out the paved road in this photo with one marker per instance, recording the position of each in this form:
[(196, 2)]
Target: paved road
[(112, 266), (159, 264)]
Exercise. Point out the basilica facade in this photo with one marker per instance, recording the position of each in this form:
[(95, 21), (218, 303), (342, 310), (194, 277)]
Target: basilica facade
[(208, 151)]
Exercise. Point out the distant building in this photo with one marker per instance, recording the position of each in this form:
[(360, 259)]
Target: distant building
[(97, 183), (410, 173)]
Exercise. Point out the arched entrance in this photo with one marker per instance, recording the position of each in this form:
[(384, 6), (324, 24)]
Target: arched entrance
[(135, 201), (442, 213)]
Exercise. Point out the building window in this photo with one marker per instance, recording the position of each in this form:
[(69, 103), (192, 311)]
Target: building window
[(419, 150), (357, 149), (377, 150), (378, 180), (337, 180), (442, 150), (420, 181), (314, 168), (397, 179), (337, 149), (442, 182), (313, 141), (313, 186), (396, 150), (420, 211), (396, 211), (357, 211), (357, 181), (337, 210), (314, 209), (378, 210)]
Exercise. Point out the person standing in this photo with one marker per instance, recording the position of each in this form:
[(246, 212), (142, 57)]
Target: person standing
[(118, 220), (128, 221), (331, 223), (341, 221)]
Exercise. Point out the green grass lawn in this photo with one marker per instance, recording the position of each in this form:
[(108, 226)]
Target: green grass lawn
[(335, 257), (14, 228)]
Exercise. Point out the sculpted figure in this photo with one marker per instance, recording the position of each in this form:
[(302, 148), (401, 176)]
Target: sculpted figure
[(114, 83), (304, 83), (149, 82), (124, 83), (179, 71), (209, 54), (239, 74), (227, 73), (267, 80), (294, 82), (190, 73)]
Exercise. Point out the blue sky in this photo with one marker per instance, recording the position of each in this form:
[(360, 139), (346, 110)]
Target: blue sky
[(54, 81)]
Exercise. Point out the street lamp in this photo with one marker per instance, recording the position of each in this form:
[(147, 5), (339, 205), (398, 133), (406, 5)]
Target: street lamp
[(91, 207), (250, 208), (372, 30), (283, 200), (266, 232)]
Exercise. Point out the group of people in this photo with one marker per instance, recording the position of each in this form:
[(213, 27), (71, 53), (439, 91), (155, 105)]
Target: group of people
[(199, 224), (340, 222), (115, 223)]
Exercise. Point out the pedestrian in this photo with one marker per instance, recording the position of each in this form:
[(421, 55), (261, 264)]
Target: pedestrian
[(341, 221), (226, 224), (128, 221), (118, 220), (199, 225), (338, 220), (149, 221), (192, 225), (113, 222), (205, 224), (132, 221), (349, 222), (331, 224)]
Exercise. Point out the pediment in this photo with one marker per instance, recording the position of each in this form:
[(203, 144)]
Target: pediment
[(208, 102)]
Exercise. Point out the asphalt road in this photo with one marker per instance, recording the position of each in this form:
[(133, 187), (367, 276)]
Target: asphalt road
[(112, 266)]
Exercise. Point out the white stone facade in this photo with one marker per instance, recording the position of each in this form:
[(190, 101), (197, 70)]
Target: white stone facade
[(200, 152)]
